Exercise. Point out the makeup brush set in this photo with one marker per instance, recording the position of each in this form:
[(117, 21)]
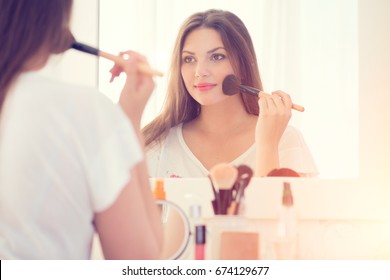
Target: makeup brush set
[(228, 183)]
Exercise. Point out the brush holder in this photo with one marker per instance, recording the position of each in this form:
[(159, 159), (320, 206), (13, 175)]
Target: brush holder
[(232, 237)]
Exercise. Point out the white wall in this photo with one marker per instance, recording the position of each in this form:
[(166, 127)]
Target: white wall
[(374, 93)]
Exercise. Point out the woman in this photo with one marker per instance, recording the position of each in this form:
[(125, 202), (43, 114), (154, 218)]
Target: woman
[(70, 160), (200, 127)]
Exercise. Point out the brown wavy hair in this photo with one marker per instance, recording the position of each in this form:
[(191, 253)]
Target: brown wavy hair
[(179, 106), (29, 28)]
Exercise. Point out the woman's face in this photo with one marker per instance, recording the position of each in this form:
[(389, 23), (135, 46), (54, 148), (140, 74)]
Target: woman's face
[(204, 65)]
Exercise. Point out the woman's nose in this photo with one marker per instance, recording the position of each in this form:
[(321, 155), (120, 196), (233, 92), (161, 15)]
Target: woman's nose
[(201, 70)]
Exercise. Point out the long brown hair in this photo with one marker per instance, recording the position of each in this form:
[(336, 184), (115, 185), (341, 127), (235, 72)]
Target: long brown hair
[(29, 28), (179, 106)]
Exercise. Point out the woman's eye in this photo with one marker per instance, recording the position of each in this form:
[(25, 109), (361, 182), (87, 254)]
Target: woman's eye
[(188, 59), (217, 56)]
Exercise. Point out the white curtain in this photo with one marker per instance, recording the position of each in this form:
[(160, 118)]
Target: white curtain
[(308, 48)]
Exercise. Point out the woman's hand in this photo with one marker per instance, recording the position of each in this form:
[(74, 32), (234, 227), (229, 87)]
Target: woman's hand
[(138, 86), (274, 115)]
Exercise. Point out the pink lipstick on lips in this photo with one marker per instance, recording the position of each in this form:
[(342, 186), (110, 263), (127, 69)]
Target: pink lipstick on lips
[(204, 86)]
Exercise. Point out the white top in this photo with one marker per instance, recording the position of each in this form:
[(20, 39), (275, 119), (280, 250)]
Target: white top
[(173, 158), (65, 153)]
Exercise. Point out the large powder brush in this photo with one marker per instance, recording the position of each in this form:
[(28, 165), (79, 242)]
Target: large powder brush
[(223, 177), (232, 85)]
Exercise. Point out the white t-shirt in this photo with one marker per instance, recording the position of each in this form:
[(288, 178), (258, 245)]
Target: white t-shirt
[(173, 158), (65, 154)]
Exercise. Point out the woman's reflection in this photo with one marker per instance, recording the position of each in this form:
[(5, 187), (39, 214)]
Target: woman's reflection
[(200, 127)]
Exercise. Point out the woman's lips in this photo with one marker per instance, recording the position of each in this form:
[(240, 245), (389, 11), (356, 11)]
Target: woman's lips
[(204, 86)]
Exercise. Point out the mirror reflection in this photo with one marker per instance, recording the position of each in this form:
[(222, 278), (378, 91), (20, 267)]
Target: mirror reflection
[(300, 48), (176, 230)]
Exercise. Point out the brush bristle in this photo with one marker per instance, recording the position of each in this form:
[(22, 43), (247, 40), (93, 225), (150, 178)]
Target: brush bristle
[(84, 48), (223, 175), (231, 85)]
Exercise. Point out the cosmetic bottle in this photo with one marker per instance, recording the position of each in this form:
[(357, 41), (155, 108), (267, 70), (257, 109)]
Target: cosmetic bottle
[(159, 194), (286, 243), (195, 219), (200, 242), (159, 190)]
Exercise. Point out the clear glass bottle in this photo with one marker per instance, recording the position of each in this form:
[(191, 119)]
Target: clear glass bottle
[(195, 219)]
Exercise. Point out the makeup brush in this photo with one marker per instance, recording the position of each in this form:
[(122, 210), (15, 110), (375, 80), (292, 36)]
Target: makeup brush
[(223, 176), (214, 202), (244, 176), (144, 68), (235, 204), (232, 85)]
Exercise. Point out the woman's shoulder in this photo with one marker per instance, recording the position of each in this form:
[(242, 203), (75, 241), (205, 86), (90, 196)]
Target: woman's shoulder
[(291, 133), (43, 92), (40, 88), (62, 103), (292, 138), (292, 129), (171, 138)]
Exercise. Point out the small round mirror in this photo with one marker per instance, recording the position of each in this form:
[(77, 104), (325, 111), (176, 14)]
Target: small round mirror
[(176, 228)]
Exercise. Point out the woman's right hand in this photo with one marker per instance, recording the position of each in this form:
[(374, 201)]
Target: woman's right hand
[(138, 86), (274, 116), (275, 113)]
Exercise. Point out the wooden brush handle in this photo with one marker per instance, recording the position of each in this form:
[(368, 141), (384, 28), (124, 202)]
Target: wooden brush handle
[(297, 107), (144, 68), (257, 92), (294, 106), (232, 210)]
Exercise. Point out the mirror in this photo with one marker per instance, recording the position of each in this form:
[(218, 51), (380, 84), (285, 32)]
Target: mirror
[(176, 230), (300, 49)]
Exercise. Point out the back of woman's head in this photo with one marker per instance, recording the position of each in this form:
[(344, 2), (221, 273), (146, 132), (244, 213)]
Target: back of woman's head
[(30, 28)]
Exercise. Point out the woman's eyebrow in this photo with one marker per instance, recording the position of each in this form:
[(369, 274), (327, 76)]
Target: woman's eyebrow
[(210, 51), (184, 51), (215, 49)]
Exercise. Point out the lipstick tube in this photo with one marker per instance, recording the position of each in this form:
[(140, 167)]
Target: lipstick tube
[(200, 242)]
